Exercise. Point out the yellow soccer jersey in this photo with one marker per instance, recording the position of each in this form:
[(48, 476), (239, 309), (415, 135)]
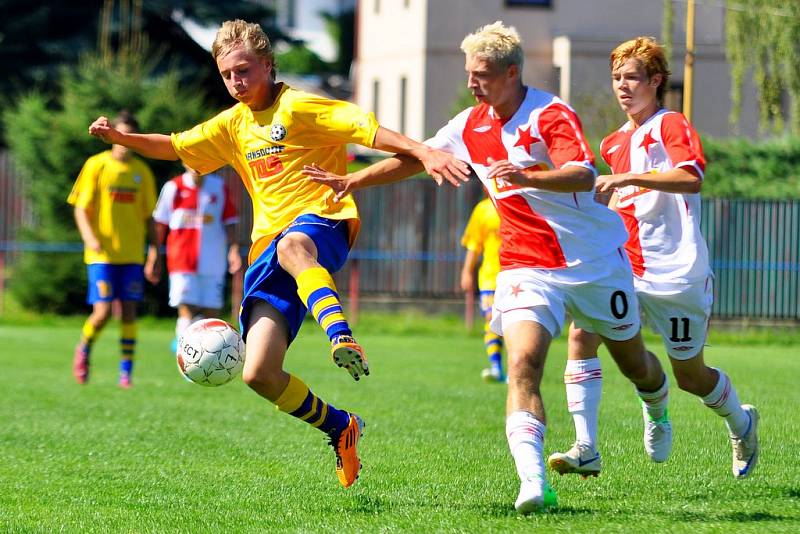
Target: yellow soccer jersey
[(269, 148), (118, 196), (482, 235)]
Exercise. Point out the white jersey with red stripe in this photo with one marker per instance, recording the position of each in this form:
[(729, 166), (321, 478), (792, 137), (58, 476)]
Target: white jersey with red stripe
[(538, 228), (665, 243), (196, 218)]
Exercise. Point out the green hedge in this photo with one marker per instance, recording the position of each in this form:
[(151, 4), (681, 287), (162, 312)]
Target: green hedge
[(741, 168)]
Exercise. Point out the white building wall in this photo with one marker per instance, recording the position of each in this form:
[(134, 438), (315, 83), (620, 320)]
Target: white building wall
[(391, 45), (422, 37)]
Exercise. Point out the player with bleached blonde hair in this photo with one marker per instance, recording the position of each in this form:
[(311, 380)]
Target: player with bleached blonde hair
[(527, 148), (657, 163)]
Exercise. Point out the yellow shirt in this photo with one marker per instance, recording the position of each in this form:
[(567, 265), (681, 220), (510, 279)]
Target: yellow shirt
[(268, 150), (119, 197), (482, 235)]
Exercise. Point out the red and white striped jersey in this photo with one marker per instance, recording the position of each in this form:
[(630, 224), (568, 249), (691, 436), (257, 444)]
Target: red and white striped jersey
[(664, 243), (538, 228), (196, 219)]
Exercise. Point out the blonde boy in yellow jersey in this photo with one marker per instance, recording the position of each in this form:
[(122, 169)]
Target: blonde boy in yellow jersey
[(301, 233), (114, 196), (482, 240)]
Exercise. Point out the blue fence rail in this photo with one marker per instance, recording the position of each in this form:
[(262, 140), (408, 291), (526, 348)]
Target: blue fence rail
[(409, 247)]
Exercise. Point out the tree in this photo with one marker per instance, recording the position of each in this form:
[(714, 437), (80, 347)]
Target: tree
[(50, 143), (37, 38), (764, 35)]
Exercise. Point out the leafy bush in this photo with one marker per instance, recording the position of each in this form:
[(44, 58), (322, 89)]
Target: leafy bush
[(741, 168), (50, 142)]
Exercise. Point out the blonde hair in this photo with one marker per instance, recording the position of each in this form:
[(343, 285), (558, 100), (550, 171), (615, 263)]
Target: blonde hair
[(237, 32), (649, 54), (496, 43)]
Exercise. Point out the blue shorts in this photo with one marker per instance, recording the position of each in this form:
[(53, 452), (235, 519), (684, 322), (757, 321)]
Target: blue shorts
[(108, 281), (266, 280)]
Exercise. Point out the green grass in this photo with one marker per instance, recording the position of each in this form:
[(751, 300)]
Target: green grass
[(168, 456)]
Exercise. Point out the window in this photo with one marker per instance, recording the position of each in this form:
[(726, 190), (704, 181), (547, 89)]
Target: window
[(535, 3), (403, 84), (376, 92), (673, 97)]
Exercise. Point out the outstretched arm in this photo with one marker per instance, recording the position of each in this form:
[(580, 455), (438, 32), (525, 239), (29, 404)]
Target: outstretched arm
[(677, 180), (569, 179), (153, 146), (439, 164), (386, 171)]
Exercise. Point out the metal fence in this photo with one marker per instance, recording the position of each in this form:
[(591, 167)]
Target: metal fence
[(409, 244)]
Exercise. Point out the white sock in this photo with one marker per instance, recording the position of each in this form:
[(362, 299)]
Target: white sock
[(584, 384), (656, 401), (180, 325), (724, 402), (525, 436)]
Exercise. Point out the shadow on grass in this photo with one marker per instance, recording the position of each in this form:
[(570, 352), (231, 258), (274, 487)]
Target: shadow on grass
[(506, 509), (732, 517)]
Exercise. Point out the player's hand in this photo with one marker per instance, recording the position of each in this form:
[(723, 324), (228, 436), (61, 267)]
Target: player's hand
[(341, 185), (607, 183), (102, 129), (467, 282), (152, 266), (93, 244), (234, 259), (505, 170), (444, 166)]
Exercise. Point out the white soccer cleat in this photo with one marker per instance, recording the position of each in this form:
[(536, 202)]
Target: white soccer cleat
[(745, 449), (493, 375), (657, 436), (535, 494), (581, 459)]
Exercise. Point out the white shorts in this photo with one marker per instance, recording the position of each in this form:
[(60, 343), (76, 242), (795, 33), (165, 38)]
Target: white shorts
[(196, 290), (679, 313), (599, 295)]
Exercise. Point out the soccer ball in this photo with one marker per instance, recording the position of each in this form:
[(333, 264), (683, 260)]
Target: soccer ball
[(210, 353)]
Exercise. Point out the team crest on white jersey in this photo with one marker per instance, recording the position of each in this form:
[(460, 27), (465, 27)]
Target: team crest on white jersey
[(277, 132)]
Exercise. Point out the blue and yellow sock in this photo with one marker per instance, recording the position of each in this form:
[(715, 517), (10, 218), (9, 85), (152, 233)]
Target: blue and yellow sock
[(299, 401), (494, 348), (316, 288), (127, 345), (89, 334)]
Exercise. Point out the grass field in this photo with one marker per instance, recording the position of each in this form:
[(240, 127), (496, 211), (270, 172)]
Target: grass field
[(168, 456)]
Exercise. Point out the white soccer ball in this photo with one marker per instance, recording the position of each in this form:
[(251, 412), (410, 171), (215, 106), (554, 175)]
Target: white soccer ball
[(210, 353)]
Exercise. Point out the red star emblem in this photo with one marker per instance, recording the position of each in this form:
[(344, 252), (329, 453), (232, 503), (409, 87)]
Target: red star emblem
[(525, 139), (646, 142), (516, 290)]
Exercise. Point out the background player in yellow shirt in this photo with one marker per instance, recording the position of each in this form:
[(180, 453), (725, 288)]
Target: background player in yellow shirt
[(114, 197), (301, 233), (482, 240)]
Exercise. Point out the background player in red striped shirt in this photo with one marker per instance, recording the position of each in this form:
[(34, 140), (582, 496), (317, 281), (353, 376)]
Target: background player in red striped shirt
[(195, 216), (657, 164)]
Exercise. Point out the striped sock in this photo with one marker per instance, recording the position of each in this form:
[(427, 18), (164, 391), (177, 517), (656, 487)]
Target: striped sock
[(127, 345), (724, 401), (584, 384), (494, 348), (316, 288), (299, 401), (89, 334), (656, 401), (525, 436)]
